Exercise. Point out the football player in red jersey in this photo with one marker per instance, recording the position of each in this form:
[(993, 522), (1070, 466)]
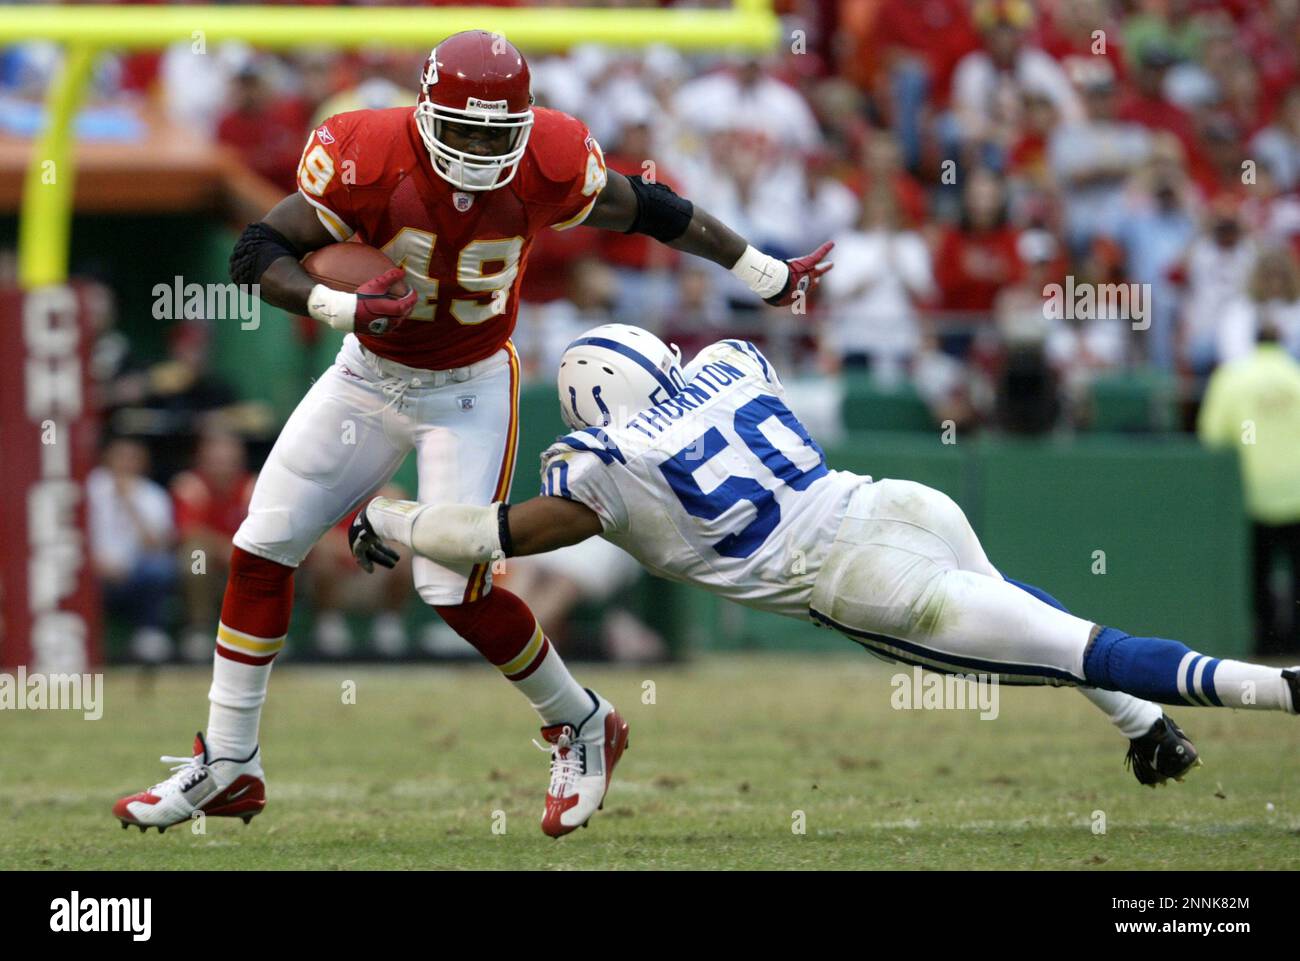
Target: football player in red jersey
[(454, 192)]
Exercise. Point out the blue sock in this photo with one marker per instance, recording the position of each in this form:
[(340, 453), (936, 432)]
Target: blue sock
[(1148, 667), (1039, 593)]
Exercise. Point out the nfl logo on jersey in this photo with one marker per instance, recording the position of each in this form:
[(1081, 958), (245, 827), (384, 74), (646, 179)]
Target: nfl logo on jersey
[(467, 401), (463, 201)]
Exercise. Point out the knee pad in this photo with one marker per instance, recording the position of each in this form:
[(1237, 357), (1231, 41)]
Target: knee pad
[(439, 585), (269, 533)]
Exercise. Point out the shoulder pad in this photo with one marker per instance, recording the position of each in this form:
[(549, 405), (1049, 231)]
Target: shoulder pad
[(589, 440), (375, 141), (559, 145), (751, 354)]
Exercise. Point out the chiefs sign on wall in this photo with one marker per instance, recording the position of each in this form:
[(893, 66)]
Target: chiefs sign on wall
[(49, 611)]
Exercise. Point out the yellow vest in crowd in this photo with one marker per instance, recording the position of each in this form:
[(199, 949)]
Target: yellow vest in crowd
[(1253, 404)]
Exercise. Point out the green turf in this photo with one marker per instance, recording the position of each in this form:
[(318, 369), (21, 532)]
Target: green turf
[(410, 776)]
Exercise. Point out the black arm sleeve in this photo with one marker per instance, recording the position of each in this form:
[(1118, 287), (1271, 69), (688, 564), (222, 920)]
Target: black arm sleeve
[(257, 248), (503, 528), (660, 213)]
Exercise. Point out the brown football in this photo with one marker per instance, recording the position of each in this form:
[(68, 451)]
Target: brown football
[(347, 266)]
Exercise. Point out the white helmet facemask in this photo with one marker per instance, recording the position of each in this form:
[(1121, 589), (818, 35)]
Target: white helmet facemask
[(467, 171)]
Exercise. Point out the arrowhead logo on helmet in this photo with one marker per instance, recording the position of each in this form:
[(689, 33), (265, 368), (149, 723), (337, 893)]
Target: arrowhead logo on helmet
[(475, 87), (613, 371)]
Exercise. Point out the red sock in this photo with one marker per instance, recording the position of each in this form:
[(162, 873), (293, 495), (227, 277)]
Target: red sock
[(255, 610), (254, 622), (503, 629)]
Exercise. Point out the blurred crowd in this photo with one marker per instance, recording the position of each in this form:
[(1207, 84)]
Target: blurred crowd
[(161, 554), (171, 489), (965, 155)]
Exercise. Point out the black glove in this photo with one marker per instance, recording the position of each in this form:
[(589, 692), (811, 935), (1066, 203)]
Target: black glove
[(367, 547)]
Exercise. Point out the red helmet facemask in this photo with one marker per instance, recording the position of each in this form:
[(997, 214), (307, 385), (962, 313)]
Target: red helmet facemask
[(477, 81)]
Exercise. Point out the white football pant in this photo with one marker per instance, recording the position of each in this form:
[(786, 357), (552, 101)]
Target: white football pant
[(907, 578), (350, 433)]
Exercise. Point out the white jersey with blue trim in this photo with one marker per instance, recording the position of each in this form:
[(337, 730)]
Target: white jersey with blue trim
[(719, 486)]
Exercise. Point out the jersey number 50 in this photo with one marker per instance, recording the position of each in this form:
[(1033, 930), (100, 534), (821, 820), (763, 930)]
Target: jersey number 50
[(679, 472)]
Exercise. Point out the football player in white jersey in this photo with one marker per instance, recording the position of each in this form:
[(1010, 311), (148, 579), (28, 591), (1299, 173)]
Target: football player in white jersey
[(704, 475)]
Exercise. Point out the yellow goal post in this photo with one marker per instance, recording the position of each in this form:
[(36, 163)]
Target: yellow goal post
[(86, 30)]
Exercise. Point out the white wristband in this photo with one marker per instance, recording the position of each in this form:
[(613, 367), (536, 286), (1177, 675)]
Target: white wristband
[(455, 535), (394, 520), (337, 308), (764, 275)]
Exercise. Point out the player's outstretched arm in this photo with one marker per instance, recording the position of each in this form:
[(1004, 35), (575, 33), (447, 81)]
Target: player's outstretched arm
[(462, 535), (268, 254), (631, 205), (544, 524)]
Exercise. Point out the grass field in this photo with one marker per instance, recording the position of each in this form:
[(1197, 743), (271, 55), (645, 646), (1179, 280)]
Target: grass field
[(411, 774)]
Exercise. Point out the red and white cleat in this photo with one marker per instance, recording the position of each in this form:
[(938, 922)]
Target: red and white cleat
[(222, 787), (582, 764)]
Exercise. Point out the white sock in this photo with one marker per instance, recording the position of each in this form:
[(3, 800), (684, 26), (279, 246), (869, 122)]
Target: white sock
[(235, 706), (232, 731), (1254, 686), (550, 688), (1131, 715)]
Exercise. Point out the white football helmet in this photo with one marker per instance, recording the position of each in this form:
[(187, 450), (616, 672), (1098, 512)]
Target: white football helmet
[(613, 371)]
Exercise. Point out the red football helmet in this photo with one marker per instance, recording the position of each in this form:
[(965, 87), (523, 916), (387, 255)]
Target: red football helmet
[(475, 79)]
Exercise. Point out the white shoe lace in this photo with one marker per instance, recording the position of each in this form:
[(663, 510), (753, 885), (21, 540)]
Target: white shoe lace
[(565, 770), (395, 388), (186, 770)]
